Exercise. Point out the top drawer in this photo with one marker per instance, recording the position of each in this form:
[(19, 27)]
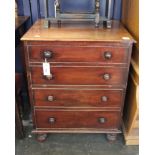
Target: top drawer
[(104, 55)]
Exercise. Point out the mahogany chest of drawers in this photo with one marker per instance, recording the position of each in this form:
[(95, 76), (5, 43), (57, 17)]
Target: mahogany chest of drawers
[(89, 72)]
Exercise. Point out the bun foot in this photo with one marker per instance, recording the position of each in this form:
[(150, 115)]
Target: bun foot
[(111, 137), (41, 137)]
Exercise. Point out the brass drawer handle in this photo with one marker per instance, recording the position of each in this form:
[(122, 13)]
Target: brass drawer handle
[(104, 98), (47, 54), (51, 120), (102, 120), (106, 76), (107, 55), (50, 98)]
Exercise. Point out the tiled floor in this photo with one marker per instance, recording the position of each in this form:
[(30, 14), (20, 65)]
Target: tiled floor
[(73, 144)]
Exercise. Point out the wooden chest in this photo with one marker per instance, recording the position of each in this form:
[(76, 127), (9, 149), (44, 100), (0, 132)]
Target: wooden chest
[(89, 72)]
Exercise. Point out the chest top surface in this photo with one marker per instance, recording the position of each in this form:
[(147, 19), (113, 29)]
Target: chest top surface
[(77, 32)]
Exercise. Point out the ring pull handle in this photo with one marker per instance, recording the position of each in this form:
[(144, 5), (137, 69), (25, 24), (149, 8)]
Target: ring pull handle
[(106, 76), (52, 120), (107, 55)]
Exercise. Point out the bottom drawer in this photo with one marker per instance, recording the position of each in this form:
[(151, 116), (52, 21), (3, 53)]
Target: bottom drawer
[(77, 119)]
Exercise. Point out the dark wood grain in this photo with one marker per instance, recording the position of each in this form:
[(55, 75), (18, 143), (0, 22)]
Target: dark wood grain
[(78, 98), (71, 44), (80, 75), (77, 32), (77, 85), (79, 54), (77, 119)]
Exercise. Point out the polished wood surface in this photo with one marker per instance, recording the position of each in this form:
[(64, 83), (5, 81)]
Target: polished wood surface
[(77, 98), (77, 119), (77, 32), (77, 75), (79, 54), (89, 69)]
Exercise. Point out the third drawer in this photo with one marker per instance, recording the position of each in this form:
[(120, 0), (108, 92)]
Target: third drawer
[(77, 98)]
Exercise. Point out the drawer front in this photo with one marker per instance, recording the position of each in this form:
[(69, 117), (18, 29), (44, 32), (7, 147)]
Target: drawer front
[(80, 76), (77, 119), (79, 54), (78, 98)]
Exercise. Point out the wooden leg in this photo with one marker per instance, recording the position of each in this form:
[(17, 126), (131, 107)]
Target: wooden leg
[(59, 23), (111, 137), (41, 137), (46, 24), (109, 24)]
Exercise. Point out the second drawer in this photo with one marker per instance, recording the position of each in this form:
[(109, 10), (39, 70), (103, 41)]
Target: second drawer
[(80, 75), (78, 98)]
